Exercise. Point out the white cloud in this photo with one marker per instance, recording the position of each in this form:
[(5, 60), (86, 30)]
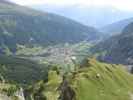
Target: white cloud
[(120, 4)]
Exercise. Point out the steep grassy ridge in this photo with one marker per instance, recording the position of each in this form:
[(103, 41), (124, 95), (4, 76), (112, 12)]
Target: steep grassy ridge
[(94, 81)]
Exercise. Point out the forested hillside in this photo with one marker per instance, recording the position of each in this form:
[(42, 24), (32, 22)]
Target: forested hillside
[(117, 49), (25, 26)]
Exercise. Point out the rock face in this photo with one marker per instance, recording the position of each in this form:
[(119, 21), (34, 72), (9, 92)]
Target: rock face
[(20, 94), (11, 92), (67, 93)]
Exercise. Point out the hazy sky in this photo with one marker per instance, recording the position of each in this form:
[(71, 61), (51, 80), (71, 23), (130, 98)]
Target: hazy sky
[(120, 4)]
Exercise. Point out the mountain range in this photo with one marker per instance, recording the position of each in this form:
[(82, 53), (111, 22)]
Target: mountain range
[(116, 27), (92, 16), (25, 26)]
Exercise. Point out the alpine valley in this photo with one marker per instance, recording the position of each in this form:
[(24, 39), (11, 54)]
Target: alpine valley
[(45, 56)]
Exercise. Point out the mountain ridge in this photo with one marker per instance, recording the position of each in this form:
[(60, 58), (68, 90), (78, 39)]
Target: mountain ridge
[(25, 26), (90, 15), (116, 27), (118, 48)]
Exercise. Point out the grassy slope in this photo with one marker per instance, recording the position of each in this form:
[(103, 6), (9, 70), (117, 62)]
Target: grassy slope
[(113, 84), (95, 81)]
